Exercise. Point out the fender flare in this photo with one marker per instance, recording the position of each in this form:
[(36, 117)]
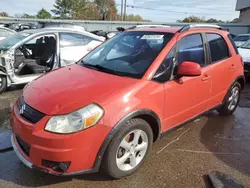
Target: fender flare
[(242, 77), (114, 130)]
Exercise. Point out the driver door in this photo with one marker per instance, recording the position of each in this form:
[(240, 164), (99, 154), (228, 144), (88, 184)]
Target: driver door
[(187, 97)]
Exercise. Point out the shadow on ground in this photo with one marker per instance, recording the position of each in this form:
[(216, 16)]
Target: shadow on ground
[(229, 135)]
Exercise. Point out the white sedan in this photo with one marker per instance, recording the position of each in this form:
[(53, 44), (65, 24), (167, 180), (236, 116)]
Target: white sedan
[(244, 51), (5, 32)]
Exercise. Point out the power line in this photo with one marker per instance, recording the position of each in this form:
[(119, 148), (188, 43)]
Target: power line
[(168, 10)]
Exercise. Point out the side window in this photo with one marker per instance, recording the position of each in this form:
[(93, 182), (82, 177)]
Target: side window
[(73, 39), (218, 47), (164, 71), (191, 49)]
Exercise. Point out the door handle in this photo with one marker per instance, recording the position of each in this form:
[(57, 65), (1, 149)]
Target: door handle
[(233, 67), (205, 78)]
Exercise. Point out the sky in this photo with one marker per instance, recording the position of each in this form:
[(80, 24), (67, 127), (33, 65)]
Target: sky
[(154, 10)]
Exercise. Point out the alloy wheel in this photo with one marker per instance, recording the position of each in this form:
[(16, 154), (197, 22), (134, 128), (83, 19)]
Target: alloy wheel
[(234, 98), (132, 150)]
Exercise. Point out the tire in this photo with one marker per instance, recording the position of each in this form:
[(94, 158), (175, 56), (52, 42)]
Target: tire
[(225, 109), (3, 83), (115, 151)]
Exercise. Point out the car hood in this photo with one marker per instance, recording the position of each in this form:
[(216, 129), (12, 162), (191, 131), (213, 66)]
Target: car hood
[(67, 89), (245, 53)]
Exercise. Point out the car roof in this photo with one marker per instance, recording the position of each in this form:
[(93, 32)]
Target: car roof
[(169, 29), (61, 29), (158, 29)]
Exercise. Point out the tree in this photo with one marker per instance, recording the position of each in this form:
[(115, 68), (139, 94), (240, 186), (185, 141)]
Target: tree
[(78, 9), (4, 14), (212, 20), (194, 19), (43, 14), (27, 16), (236, 20), (107, 9), (63, 8)]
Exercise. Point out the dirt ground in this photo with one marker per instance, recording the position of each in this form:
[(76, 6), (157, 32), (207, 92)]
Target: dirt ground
[(180, 159)]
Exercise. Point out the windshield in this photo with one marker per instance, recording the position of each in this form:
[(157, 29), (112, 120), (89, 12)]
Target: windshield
[(242, 38), (10, 41), (246, 45), (128, 54)]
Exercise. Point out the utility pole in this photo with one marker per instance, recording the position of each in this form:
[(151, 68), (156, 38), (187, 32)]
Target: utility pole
[(125, 9), (122, 10)]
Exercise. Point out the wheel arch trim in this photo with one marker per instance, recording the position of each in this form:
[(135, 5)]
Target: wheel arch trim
[(114, 130)]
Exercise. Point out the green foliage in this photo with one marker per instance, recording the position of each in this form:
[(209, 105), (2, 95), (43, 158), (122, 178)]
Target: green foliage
[(63, 8), (43, 14), (195, 19), (4, 14)]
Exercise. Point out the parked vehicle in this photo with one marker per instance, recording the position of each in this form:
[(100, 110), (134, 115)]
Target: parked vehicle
[(244, 51), (58, 24), (20, 26), (27, 55), (5, 32), (108, 109), (241, 39)]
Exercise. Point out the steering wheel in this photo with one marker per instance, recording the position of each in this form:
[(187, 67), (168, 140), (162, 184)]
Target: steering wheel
[(25, 51)]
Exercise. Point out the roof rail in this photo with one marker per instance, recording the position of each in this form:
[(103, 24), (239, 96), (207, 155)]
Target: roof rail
[(187, 27), (149, 26)]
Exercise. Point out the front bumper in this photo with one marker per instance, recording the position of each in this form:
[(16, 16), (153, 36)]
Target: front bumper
[(80, 149)]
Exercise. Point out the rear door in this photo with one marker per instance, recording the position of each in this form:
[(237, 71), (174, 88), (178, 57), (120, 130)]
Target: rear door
[(221, 68)]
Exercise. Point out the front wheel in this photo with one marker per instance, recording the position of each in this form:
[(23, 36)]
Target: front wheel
[(3, 83), (231, 100), (128, 149)]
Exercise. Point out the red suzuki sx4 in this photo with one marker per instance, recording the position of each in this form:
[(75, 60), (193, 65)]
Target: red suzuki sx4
[(108, 109)]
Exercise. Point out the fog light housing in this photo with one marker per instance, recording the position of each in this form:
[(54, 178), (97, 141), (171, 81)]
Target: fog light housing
[(59, 167)]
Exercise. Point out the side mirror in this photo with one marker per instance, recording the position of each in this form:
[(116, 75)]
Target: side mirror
[(188, 68)]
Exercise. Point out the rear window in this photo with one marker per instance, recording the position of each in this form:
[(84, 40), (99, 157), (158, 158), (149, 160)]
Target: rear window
[(218, 47), (232, 42)]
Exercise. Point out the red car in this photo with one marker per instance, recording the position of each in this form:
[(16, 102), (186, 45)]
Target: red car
[(110, 107)]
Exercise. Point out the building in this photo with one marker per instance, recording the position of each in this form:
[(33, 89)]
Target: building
[(244, 7)]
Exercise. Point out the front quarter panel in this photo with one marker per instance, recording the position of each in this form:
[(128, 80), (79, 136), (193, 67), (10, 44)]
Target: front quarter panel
[(146, 95)]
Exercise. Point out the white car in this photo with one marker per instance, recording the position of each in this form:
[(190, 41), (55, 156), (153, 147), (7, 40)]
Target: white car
[(241, 39), (29, 54), (5, 32), (244, 51)]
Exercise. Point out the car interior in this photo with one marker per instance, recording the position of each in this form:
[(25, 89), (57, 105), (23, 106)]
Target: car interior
[(35, 56)]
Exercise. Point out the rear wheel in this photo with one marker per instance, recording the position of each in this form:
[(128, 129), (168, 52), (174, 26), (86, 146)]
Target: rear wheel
[(3, 83), (128, 149), (231, 101)]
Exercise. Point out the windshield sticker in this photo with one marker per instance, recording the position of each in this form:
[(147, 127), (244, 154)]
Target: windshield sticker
[(152, 37), (25, 34)]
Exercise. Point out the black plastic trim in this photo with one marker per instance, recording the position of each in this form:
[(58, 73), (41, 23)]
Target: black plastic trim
[(189, 120), (116, 128)]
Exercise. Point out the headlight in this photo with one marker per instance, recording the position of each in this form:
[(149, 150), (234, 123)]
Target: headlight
[(75, 121)]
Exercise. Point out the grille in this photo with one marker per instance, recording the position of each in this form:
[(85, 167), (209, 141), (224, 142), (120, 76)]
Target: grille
[(29, 113), (23, 145)]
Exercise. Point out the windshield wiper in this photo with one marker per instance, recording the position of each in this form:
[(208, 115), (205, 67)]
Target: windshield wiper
[(100, 68)]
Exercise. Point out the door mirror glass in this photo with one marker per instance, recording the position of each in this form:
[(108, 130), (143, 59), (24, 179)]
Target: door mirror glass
[(188, 68)]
